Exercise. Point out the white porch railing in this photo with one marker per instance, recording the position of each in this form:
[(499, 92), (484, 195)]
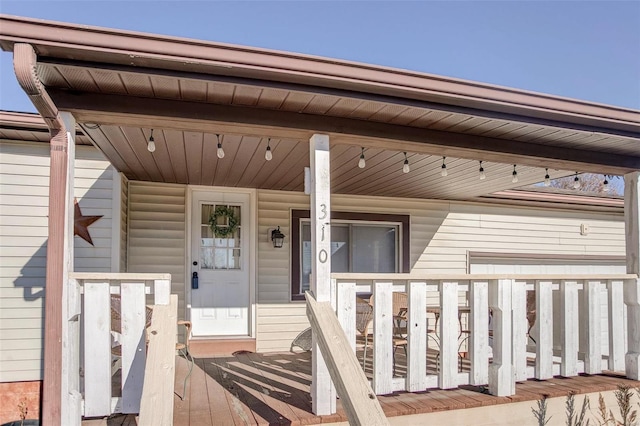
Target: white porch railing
[(87, 349), (494, 311)]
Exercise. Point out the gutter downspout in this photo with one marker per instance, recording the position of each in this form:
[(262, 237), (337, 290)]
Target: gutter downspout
[(25, 67)]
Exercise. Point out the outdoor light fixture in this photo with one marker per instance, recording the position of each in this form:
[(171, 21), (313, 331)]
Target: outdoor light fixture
[(444, 172), (576, 182), (361, 162), (605, 185), (151, 145), (268, 155), (483, 175), (547, 179), (220, 151), (514, 175), (405, 166), (277, 238)]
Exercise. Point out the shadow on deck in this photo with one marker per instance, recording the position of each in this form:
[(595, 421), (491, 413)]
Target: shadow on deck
[(273, 388)]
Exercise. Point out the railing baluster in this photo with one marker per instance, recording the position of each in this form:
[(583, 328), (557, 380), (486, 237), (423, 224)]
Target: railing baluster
[(133, 319), (616, 325), (544, 328), (448, 335), (569, 319), (632, 300), (501, 381), (520, 328), (417, 331), (161, 292), (346, 311), (593, 358), (97, 350), (479, 329), (383, 338)]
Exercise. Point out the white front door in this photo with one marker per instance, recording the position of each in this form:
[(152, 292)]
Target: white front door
[(220, 305)]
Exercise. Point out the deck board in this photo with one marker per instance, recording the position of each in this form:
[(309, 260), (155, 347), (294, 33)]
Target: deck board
[(274, 389)]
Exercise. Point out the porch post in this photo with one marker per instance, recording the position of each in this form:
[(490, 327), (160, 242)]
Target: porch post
[(323, 393), (632, 287)]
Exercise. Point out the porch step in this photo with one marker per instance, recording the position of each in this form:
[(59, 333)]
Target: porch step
[(208, 348)]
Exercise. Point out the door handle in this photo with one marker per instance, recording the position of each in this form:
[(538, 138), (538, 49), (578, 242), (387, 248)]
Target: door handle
[(194, 281)]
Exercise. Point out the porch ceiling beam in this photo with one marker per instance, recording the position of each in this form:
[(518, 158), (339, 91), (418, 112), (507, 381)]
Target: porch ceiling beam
[(173, 114)]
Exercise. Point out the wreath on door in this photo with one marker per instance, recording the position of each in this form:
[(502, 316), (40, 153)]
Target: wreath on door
[(218, 216)]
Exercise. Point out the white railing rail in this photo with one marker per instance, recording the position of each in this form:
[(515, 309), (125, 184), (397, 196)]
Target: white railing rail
[(88, 357), (500, 345)]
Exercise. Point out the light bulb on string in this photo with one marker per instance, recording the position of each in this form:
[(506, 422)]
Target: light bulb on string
[(361, 162), (151, 145), (547, 179), (514, 175), (576, 182), (444, 171), (483, 175), (268, 155), (605, 185), (220, 151), (405, 166)]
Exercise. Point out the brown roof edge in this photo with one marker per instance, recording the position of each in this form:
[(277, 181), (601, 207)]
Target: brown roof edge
[(548, 197), (23, 119), (88, 43)]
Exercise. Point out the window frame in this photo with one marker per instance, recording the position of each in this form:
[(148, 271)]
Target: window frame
[(297, 217)]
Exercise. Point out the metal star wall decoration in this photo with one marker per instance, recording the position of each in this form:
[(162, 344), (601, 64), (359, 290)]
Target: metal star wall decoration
[(81, 223)]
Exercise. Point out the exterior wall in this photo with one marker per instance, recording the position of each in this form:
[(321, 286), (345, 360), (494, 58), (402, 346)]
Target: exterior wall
[(442, 234), (24, 190), (157, 236)]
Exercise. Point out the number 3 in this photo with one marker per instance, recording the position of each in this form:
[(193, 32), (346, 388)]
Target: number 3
[(323, 209)]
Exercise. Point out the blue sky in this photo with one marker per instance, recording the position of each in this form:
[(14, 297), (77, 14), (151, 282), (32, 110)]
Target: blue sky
[(578, 49)]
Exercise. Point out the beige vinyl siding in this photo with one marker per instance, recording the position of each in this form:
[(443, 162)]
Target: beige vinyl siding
[(24, 198), (442, 233), (157, 238)]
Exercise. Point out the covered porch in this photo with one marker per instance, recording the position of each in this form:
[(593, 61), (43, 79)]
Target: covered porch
[(421, 137)]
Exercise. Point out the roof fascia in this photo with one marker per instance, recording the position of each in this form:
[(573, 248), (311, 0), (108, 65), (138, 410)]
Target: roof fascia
[(56, 39)]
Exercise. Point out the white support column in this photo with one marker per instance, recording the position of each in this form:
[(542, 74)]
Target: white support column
[(323, 393), (70, 384), (501, 380), (632, 287)]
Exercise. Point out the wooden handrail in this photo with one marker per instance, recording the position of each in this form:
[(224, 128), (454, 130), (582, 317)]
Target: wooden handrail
[(358, 399), (478, 277), (118, 276), (156, 407)]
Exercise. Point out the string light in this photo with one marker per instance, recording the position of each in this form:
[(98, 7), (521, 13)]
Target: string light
[(220, 151), (268, 155), (605, 185), (547, 179), (576, 182), (483, 175), (514, 175), (151, 145), (444, 171), (361, 162), (405, 166)]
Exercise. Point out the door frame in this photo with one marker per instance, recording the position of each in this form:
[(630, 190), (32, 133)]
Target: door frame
[(253, 226)]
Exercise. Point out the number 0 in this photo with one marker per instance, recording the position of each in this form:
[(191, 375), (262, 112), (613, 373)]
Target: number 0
[(322, 256)]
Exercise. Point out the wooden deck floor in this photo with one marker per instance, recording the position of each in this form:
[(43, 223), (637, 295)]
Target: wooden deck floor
[(272, 389)]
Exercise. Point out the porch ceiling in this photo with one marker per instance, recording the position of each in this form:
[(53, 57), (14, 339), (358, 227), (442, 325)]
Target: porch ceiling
[(120, 84)]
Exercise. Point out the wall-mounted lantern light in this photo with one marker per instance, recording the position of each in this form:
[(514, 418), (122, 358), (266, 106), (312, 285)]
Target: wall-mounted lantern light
[(277, 238)]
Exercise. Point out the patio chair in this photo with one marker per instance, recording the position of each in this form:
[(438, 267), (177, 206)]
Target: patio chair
[(364, 317)]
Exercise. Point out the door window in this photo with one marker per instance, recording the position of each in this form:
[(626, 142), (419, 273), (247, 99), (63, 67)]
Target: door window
[(221, 249)]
